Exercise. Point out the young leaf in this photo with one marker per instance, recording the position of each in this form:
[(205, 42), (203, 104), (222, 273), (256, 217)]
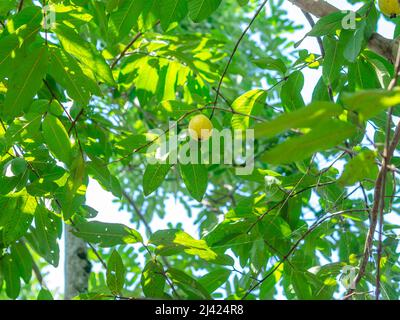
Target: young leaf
[(249, 103)]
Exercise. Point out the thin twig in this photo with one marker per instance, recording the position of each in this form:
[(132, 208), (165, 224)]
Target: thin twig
[(128, 46), (234, 52), (20, 5)]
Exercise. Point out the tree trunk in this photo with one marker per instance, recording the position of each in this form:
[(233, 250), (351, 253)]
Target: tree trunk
[(77, 265)]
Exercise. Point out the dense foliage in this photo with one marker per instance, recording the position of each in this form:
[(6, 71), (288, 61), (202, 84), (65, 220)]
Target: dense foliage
[(80, 93)]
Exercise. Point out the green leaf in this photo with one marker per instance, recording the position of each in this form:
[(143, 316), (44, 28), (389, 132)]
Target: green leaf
[(8, 45), (27, 21), (106, 234), (154, 176), (173, 108), (214, 279), (172, 11), (328, 25), (250, 103), (11, 276), (195, 177), (301, 285), (328, 135), (115, 273), (370, 103), (23, 260), (57, 139), (130, 143), (25, 82), (201, 9), (307, 117), (17, 214), (333, 60), (269, 63), (291, 92), (74, 189), (85, 53), (124, 19), (189, 285), (45, 235), (153, 280), (45, 294), (67, 72), (360, 167), (171, 242), (355, 39), (18, 166)]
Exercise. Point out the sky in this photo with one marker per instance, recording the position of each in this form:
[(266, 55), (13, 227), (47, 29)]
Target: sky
[(102, 201)]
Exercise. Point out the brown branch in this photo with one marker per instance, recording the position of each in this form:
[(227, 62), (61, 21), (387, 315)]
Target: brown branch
[(74, 122), (129, 45)]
